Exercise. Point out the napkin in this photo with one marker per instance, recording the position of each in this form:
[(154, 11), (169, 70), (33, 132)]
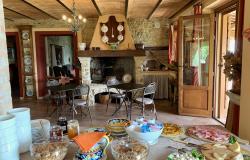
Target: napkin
[(87, 140)]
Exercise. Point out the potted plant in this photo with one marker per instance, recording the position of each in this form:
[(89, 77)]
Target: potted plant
[(232, 70)]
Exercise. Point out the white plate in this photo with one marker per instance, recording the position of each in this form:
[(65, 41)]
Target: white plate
[(104, 28), (27, 60), (27, 69), (29, 92), (120, 27), (120, 37), (25, 35), (126, 78), (28, 79), (105, 39)]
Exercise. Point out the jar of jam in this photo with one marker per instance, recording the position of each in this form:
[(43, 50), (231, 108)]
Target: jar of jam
[(62, 121), (73, 128), (56, 133)]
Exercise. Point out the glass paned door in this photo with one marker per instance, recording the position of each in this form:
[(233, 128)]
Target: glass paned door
[(195, 72)]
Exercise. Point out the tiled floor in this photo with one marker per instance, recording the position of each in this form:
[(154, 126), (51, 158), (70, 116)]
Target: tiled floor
[(166, 113)]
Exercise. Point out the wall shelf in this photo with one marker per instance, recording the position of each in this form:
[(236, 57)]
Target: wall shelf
[(111, 53)]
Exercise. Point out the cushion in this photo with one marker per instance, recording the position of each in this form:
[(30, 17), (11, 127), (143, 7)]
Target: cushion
[(80, 102), (145, 100)]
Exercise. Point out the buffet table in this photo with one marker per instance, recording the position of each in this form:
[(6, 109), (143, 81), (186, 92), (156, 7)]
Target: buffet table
[(159, 151)]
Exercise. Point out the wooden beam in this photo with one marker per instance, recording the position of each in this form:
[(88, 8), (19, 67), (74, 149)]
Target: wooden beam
[(192, 2), (8, 19), (156, 6), (126, 8), (19, 13), (40, 10), (96, 7), (61, 3)]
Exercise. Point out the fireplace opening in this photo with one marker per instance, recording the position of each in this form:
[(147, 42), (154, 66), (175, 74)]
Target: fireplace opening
[(102, 68)]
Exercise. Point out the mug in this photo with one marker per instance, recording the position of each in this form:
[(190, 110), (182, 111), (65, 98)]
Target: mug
[(97, 152)]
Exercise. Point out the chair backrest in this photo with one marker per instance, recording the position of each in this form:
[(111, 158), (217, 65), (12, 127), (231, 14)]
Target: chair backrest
[(81, 90), (111, 82), (150, 89)]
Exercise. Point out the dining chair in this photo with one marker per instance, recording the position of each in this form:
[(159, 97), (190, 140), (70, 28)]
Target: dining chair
[(147, 98), (80, 97), (55, 97), (117, 96)]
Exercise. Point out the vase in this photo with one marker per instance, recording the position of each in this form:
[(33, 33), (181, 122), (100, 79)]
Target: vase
[(23, 128), (8, 138), (82, 46)]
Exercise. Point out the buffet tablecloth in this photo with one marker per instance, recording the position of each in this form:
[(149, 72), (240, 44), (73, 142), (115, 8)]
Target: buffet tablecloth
[(159, 151)]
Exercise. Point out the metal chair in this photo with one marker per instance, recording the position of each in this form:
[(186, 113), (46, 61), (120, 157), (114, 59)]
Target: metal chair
[(117, 96), (80, 97), (147, 98), (55, 97)]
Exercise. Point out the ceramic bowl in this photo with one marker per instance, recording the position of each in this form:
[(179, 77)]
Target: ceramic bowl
[(150, 137), (117, 125), (97, 152)]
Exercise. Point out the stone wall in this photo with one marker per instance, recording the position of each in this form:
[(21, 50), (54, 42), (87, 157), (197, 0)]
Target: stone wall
[(153, 32), (5, 90)]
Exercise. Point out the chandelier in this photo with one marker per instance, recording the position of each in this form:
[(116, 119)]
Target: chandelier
[(75, 20)]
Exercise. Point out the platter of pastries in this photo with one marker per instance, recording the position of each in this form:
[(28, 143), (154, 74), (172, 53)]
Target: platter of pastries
[(172, 130)]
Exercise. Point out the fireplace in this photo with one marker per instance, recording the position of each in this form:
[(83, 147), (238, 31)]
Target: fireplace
[(101, 68), (96, 66)]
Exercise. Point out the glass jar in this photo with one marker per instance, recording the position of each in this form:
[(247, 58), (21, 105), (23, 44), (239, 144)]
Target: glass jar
[(62, 121), (73, 128), (56, 133)]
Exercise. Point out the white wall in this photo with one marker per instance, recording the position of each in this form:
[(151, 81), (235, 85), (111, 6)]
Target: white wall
[(245, 83)]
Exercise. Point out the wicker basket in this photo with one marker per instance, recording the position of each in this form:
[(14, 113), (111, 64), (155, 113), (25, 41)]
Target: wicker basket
[(104, 98)]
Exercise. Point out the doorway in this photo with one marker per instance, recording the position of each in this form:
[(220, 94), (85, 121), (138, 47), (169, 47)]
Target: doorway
[(226, 43), (40, 37), (13, 50), (59, 56)]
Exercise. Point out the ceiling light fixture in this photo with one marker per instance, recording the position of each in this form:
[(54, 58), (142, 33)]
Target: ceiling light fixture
[(76, 20)]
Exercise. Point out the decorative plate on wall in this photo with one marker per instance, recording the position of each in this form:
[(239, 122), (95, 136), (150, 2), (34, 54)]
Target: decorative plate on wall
[(25, 35), (113, 30), (27, 60), (28, 79), (29, 90), (27, 69)]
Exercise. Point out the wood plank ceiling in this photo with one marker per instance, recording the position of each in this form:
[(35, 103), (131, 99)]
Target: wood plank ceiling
[(54, 9)]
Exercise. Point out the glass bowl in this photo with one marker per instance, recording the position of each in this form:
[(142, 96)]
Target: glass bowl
[(49, 150), (129, 149)]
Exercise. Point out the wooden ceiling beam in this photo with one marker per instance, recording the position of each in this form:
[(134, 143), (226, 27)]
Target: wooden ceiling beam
[(96, 7), (8, 19), (40, 10), (192, 2), (62, 4), (19, 13), (155, 8), (126, 8)]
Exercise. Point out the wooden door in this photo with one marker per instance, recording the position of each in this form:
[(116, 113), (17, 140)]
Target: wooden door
[(195, 40)]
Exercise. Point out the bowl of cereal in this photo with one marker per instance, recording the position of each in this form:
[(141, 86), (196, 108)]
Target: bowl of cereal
[(49, 150), (127, 148)]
